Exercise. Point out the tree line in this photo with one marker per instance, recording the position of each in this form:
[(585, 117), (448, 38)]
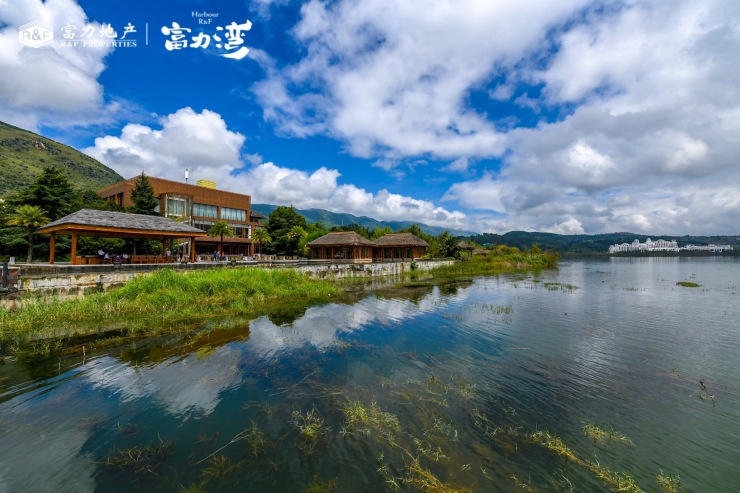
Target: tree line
[(52, 196)]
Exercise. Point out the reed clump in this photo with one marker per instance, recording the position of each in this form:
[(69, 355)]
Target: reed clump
[(498, 262)]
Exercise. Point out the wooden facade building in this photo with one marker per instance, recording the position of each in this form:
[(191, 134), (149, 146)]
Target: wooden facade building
[(199, 206), (349, 245), (399, 246), (346, 245)]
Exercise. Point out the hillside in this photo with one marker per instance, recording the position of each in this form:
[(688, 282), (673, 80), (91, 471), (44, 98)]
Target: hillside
[(342, 219), (24, 154), (589, 244)]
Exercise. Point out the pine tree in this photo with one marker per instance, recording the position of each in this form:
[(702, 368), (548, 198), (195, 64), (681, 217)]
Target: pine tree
[(52, 192), (142, 195)]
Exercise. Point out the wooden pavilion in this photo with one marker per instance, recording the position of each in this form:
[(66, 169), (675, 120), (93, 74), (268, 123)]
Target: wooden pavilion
[(345, 245), (466, 249), (107, 224), (399, 246)]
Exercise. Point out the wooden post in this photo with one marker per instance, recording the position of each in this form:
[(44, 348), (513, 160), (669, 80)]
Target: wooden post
[(164, 246), (192, 249), (74, 249), (52, 244)]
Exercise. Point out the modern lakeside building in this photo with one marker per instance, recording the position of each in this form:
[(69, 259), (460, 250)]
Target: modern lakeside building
[(664, 246), (199, 205)]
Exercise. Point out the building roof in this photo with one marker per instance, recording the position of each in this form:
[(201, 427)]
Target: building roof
[(256, 214), (102, 222), (400, 240), (464, 245), (344, 238)]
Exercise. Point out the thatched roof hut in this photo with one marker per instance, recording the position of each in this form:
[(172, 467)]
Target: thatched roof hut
[(400, 246), (345, 245)]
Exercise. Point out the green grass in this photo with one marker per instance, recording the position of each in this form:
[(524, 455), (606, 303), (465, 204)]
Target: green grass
[(497, 263), (23, 155), (165, 299)]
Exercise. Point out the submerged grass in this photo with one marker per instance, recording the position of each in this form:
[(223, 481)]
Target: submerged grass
[(163, 299), (602, 435)]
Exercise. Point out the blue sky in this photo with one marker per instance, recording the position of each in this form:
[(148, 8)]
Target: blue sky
[(567, 116)]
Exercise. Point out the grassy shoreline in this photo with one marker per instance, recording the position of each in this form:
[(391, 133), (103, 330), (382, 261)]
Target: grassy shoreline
[(168, 301), (151, 304)]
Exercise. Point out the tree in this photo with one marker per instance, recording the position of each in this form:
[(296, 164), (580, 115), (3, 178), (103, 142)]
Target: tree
[(279, 224), (51, 192), (444, 245), (29, 217), (262, 236), (300, 234), (378, 232), (142, 195), (221, 228)]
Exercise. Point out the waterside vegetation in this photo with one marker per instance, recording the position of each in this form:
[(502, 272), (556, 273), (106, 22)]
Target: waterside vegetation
[(164, 301), (168, 301)]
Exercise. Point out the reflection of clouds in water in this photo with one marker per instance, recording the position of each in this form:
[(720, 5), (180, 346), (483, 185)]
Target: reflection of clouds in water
[(321, 326), (184, 385), (50, 456)]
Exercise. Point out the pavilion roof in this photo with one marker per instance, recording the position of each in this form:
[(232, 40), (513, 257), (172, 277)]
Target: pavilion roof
[(400, 240), (90, 222), (343, 238), (464, 245)]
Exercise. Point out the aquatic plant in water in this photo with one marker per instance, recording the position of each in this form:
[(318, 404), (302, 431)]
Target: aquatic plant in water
[(311, 429), (140, 460), (669, 483), (599, 434)]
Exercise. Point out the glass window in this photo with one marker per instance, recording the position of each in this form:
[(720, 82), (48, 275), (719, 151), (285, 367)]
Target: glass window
[(228, 213), (205, 210)]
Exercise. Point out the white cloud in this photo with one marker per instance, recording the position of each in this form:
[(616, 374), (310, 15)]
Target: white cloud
[(197, 141), (648, 146), (202, 143), (50, 84), (395, 75)]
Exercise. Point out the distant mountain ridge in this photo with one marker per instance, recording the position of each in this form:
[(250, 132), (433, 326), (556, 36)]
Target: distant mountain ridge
[(24, 154), (589, 244), (343, 219)]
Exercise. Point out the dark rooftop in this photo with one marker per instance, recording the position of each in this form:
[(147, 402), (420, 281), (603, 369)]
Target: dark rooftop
[(400, 239), (122, 220), (344, 238)]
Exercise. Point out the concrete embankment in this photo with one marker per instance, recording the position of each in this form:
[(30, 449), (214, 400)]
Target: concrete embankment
[(69, 281)]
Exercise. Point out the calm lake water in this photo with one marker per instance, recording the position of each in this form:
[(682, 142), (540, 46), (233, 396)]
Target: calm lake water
[(406, 387)]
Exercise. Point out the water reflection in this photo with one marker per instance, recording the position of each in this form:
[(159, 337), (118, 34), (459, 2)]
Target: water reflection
[(469, 371)]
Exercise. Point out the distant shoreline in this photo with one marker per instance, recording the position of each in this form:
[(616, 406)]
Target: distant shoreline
[(682, 253)]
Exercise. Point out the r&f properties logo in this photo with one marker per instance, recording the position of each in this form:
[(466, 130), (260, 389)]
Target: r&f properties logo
[(35, 34)]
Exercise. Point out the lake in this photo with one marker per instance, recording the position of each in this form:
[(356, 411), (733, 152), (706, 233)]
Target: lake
[(477, 386)]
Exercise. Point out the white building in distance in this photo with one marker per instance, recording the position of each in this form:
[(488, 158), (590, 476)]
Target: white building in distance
[(664, 246)]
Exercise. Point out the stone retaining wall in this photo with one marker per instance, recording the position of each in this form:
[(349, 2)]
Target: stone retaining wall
[(66, 281)]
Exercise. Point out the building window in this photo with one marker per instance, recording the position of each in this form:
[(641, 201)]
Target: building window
[(202, 225), (204, 210), (178, 205), (227, 213)]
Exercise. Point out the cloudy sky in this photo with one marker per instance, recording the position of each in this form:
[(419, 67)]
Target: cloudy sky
[(567, 116)]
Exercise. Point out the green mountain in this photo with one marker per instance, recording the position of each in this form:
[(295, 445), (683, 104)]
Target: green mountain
[(24, 154), (340, 219), (590, 244)]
